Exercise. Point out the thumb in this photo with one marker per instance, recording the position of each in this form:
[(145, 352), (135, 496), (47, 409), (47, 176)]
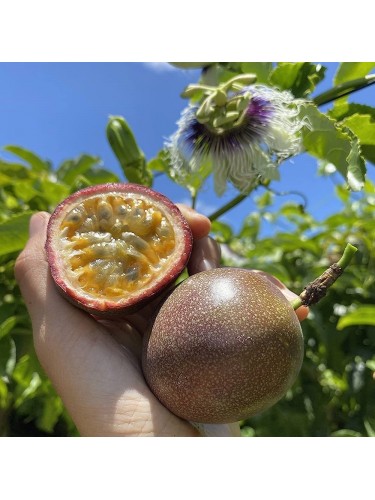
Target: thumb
[(31, 265), (48, 310)]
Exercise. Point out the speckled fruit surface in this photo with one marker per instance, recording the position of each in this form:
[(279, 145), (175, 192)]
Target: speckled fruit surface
[(225, 345), (113, 247)]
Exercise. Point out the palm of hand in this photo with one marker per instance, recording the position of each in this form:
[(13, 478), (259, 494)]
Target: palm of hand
[(95, 365)]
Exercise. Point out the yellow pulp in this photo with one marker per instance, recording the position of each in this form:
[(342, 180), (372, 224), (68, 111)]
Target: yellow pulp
[(116, 244)]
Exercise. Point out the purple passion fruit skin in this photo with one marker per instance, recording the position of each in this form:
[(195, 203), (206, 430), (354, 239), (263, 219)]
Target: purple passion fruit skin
[(114, 247), (225, 345)]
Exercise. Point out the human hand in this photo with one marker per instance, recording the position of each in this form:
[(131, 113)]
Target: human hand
[(95, 365)]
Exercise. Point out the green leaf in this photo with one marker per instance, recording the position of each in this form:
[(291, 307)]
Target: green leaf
[(346, 433), (342, 193), (352, 70), (370, 364), (363, 315), (100, 176), (250, 227), (25, 190), (4, 394), (343, 109), (323, 139), (368, 153), (247, 432), (361, 120), (7, 356), (264, 200), (14, 170), (71, 169), (363, 127), (356, 167), (261, 69), (7, 325), (223, 232), (33, 385), (300, 78), (52, 409), (193, 182), (11, 202), (14, 233), (24, 371), (160, 163), (53, 192), (370, 431), (32, 159)]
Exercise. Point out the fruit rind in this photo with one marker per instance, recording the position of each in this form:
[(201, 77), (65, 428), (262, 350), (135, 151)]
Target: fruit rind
[(101, 306), (217, 362)]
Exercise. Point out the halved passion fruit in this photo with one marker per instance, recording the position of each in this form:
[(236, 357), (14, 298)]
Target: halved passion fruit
[(113, 247)]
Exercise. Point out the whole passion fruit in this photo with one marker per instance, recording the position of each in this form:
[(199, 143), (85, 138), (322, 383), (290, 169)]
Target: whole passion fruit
[(225, 345), (113, 247)]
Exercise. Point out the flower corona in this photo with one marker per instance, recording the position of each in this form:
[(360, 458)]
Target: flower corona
[(244, 135)]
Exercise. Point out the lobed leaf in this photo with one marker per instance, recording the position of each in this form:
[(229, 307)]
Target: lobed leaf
[(361, 120), (356, 167), (325, 140)]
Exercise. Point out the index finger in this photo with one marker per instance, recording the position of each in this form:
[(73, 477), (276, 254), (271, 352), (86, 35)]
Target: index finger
[(200, 225)]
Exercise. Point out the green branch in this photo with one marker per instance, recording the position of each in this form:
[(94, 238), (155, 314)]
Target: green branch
[(344, 89), (227, 206)]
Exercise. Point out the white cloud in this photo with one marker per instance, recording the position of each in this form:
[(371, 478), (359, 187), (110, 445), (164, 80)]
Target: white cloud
[(160, 67)]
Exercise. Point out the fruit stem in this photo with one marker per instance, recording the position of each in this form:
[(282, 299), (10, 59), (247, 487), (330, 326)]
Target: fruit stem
[(317, 289)]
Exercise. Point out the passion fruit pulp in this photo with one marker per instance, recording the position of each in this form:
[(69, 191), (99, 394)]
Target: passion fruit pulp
[(113, 247)]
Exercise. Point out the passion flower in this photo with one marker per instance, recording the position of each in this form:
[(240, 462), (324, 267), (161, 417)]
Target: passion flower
[(244, 135), (113, 247)]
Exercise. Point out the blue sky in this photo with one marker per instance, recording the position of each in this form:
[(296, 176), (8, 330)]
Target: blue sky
[(60, 110)]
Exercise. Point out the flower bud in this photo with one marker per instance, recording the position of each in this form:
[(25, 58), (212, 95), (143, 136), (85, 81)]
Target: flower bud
[(125, 147)]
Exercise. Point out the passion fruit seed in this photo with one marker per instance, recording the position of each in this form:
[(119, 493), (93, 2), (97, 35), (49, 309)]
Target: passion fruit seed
[(116, 245), (113, 247)]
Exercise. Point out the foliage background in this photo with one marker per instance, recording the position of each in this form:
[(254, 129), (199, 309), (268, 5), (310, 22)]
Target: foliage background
[(334, 394)]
